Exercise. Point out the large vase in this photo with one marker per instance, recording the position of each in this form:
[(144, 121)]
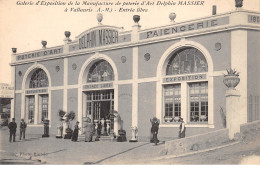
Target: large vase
[(231, 81), (239, 3), (136, 18)]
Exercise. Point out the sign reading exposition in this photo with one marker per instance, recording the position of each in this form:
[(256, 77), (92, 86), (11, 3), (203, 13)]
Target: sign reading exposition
[(99, 37), (185, 78)]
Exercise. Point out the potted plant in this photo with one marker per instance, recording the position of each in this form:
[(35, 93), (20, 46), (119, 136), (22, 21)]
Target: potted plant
[(68, 117), (176, 118), (168, 118), (61, 114), (231, 79)]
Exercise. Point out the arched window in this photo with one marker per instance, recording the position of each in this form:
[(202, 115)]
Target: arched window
[(185, 61), (100, 71), (39, 79)]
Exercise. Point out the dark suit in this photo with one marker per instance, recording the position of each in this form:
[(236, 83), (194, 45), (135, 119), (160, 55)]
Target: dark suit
[(12, 127)]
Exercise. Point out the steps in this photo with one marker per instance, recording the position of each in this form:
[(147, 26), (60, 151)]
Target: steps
[(102, 138)]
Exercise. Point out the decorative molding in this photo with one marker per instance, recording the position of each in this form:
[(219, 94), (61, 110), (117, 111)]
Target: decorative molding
[(20, 73), (57, 68), (147, 57), (217, 46), (123, 59), (74, 66)]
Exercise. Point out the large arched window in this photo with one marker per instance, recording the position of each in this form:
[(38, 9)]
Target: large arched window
[(185, 61), (37, 104), (100, 71), (39, 79)]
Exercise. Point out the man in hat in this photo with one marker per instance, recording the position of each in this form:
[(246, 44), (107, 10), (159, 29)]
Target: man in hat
[(23, 126), (12, 127), (154, 130)]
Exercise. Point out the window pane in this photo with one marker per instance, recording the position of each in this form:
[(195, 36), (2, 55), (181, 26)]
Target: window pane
[(198, 102)]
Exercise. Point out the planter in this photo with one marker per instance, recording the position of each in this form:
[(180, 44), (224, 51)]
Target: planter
[(203, 117), (67, 34), (136, 18), (168, 119), (231, 81), (176, 118), (239, 3), (172, 16)]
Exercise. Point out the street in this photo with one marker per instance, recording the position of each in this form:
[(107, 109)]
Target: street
[(37, 150)]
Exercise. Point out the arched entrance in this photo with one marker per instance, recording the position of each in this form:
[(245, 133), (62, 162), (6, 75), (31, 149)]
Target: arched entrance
[(98, 90)]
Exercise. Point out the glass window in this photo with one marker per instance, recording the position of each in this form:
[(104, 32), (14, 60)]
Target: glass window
[(198, 93), (44, 107), (185, 61), (31, 104), (172, 102), (39, 79), (100, 71)]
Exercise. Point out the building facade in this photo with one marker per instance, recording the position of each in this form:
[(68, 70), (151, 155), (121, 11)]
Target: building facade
[(169, 72)]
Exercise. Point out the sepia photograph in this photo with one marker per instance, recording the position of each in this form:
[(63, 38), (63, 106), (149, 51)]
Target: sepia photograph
[(129, 82)]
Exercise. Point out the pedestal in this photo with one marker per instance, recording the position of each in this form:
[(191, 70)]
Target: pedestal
[(59, 131), (233, 116), (46, 128), (134, 131)]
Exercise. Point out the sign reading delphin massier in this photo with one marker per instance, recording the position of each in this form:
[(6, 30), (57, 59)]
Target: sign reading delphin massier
[(99, 37)]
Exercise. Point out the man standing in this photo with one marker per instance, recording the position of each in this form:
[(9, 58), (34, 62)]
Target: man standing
[(154, 130), (12, 127), (23, 126)]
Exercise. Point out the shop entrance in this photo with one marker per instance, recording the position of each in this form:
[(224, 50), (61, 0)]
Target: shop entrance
[(99, 104)]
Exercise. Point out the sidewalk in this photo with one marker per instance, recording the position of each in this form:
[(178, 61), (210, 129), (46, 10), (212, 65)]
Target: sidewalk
[(62, 151)]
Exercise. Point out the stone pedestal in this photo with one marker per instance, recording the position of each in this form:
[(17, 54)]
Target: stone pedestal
[(234, 117)]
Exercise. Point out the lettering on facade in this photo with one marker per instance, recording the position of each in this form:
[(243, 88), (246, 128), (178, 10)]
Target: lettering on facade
[(39, 54), (98, 37), (36, 91), (253, 19), (6, 91), (182, 28), (97, 86), (174, 29), (184, 78)]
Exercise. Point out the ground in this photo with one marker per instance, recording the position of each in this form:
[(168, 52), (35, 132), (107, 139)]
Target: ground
[(37, 150)]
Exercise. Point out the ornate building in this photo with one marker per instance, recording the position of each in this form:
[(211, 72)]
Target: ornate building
[(169, 72)]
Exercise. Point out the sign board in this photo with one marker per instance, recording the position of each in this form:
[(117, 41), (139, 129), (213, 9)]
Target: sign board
[(98, 37), (36, 91), (184, 78), (173, 29), (254, 19), (97, 86), (39, 54), (6, 91)]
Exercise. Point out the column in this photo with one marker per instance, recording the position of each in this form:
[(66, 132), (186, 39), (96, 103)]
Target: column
[(233, 113), (135, 38), (239, 63), (184, 102)]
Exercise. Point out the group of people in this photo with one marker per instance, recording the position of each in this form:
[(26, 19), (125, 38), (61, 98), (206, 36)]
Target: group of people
[(12, 128), (89, 131), (155, 128)]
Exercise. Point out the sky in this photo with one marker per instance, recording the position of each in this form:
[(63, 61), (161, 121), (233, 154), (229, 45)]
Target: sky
[(25, 26)]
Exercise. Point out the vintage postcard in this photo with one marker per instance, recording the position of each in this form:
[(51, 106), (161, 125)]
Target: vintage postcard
[(129, 82)]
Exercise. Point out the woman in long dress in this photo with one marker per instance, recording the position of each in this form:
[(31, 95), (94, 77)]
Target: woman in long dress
[(182, 129), (90, 129), (75, 132)]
